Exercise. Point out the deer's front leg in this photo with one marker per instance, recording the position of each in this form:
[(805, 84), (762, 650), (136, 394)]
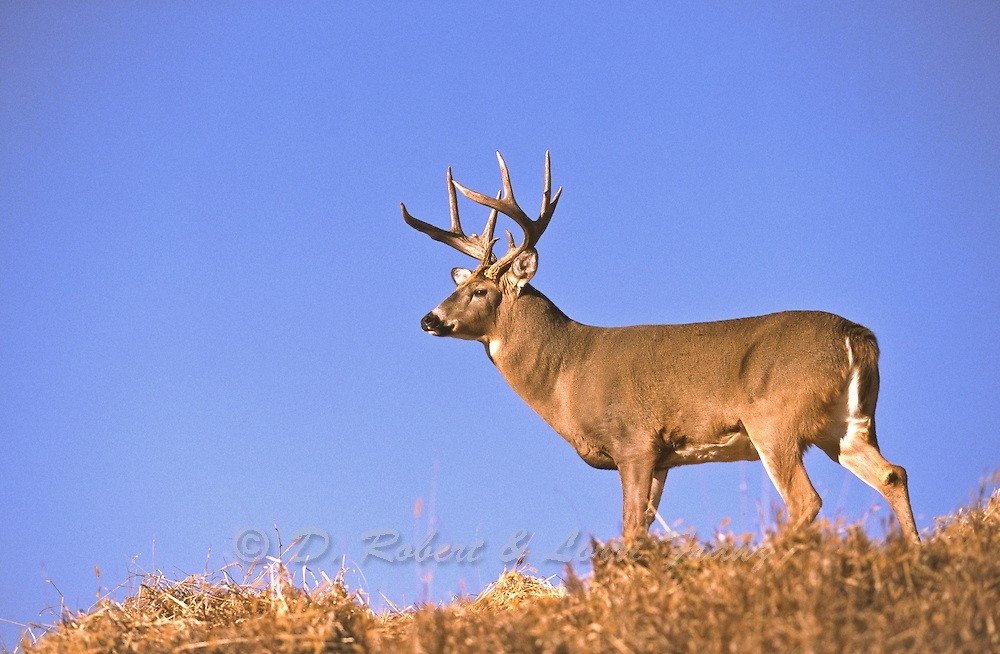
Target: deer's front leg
[(655, 493), (637, 480)]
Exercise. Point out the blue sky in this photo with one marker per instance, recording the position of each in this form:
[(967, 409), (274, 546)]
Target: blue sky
[(209, 303)]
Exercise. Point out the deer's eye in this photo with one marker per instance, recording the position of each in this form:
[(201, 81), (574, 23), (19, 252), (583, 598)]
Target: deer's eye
[(479, 292)]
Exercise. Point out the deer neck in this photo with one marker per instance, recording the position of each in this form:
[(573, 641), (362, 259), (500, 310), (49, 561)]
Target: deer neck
[(529, 346)]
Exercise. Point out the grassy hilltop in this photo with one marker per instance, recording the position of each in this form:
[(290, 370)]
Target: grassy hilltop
[(818, 589)]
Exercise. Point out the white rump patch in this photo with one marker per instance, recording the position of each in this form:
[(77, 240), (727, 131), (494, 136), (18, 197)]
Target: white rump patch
[(857, 424), (853, 401)]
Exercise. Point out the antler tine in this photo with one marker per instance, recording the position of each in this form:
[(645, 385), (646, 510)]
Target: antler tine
[(488, 257), (456, 223), (548, 207), (516, 213), (477, 247), (491, 222)]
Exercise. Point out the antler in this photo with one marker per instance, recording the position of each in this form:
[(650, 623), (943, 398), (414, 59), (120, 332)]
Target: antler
[(481, 247), (477, 247), (507, 205)]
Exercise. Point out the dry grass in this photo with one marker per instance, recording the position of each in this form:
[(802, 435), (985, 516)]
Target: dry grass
[(819, 589), (214, 613)]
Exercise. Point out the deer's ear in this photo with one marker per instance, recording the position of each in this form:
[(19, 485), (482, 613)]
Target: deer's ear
[(523, 269), (460, 275)]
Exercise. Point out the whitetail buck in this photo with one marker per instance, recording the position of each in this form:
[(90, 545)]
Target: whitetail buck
[(644, 399)]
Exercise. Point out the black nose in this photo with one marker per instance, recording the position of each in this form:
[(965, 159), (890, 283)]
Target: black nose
[(430, 323)]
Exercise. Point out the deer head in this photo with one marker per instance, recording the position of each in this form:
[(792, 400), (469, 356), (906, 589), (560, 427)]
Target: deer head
[(470, 312)]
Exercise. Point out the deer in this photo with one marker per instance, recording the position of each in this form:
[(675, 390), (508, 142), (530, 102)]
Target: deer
[(647, 398)]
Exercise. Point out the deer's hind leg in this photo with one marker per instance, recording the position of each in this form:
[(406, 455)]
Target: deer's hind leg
[(781, 453), (858, 451), (855, 446)]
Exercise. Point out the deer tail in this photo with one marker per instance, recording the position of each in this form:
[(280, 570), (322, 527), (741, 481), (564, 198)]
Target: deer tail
[(862, 358)]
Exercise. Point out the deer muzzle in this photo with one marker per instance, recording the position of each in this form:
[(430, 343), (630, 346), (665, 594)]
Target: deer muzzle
[(432, 324)]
